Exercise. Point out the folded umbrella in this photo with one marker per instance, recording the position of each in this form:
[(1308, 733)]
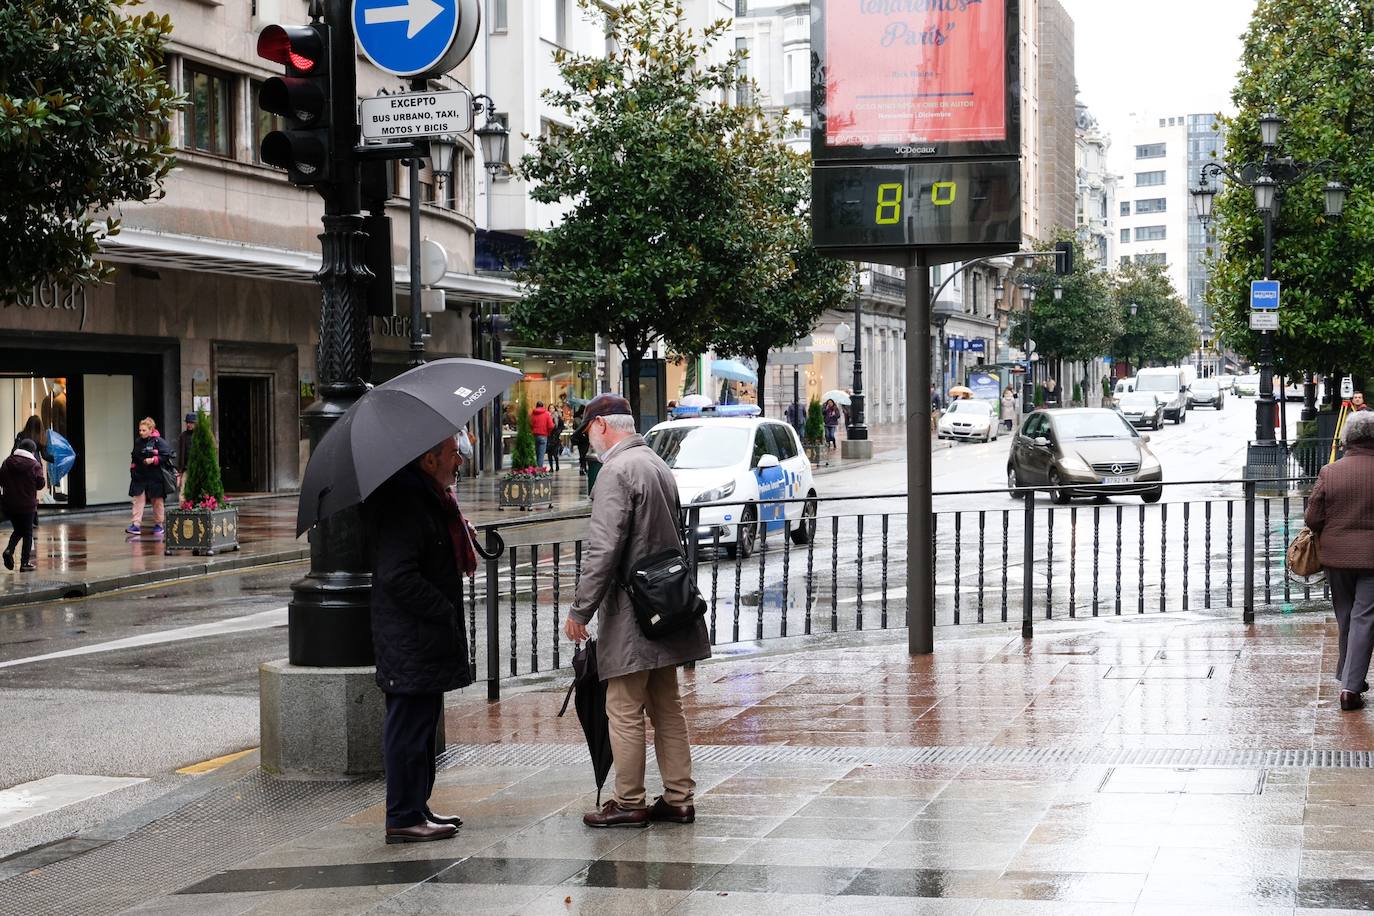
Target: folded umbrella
[(60, 455), (961, 391), (589, 693), (389, 426)]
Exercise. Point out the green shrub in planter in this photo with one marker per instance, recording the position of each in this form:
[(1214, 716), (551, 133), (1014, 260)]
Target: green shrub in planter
[(813, 433), (523, 453), (204, 522)]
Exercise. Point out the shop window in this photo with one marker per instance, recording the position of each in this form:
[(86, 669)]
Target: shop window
[(208, 117)]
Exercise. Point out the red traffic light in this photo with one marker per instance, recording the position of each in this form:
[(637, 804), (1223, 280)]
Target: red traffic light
[(296, 46)]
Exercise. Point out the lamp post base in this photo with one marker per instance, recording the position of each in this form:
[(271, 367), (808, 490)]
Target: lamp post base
[(856, 448), (1266, 461)]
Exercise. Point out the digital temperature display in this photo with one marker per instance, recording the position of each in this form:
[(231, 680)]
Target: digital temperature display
[(946, 204)]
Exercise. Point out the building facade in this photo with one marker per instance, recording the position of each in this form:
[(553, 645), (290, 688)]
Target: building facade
[(1057, 189), (1096, 211), (212, 304)]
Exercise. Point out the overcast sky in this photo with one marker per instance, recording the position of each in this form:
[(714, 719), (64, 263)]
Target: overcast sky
[(1168, 57)]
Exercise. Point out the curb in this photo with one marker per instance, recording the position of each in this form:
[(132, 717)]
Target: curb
[(81, 588)]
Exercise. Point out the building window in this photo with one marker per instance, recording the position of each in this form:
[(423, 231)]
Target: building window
[(1125, 208), (499, 13), (1153, 257), (208, 117), (1149, 233), (741, 7), (560, 26), (264, 122), (743, 91), (1150, 205), (1149, 179), (1125, 235), (1150, 151), (1125, 260)]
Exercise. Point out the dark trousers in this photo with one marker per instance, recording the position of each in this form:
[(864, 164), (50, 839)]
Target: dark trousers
[(582, 448), (408, 754), (1352, 597), (24, 523)]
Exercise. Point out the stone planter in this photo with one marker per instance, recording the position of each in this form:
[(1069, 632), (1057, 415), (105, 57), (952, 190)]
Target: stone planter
[(522, 491), (814, 449), (203, 532)]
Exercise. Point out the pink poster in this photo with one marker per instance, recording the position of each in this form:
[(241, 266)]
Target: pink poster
[(915, 71)]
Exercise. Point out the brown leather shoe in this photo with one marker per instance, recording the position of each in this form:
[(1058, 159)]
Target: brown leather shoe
[(1351, 701), (676, 814), (420, 833), (612, 815)]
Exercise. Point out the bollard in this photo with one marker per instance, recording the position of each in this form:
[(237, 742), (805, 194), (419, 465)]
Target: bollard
[(492, 555), (1249, 552), (1028, 568)]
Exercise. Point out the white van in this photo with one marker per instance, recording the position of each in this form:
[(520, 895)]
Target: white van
[(1124, 386), (1170, 385)]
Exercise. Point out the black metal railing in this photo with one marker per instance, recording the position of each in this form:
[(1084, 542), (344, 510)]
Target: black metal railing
[(1210, 545)]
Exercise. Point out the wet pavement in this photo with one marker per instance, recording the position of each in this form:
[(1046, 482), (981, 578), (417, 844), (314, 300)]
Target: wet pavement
[(1158, 765)]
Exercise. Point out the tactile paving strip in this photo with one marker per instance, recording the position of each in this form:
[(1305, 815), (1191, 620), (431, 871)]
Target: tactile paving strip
[(550, 754)]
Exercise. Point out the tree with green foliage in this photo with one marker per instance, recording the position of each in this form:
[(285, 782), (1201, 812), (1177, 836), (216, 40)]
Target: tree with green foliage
[(1079, 326), (84, 104), (523, 453), (814, 431), (657, 230), (1163, 329), (774, 182), (1310, 64), (202, 482)]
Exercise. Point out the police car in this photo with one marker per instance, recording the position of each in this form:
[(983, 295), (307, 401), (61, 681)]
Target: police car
[(727, 459)]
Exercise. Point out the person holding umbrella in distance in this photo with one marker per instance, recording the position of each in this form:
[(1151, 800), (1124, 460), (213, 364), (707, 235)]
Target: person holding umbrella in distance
[(634, 515)]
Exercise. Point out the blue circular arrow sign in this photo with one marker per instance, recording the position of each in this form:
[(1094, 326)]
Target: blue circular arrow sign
[(415, 38)]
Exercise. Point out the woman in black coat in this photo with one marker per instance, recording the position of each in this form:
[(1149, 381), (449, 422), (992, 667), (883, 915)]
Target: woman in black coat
[(149, 454), (422, 549)]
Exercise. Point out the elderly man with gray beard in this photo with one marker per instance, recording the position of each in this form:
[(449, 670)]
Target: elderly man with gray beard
[(635, 513)]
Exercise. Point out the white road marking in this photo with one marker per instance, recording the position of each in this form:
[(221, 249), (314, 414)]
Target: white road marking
[(41, 796), (263, 620)]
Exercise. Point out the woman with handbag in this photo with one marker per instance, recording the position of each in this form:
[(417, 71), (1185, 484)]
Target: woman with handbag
[(151, 456), (1340, 514)]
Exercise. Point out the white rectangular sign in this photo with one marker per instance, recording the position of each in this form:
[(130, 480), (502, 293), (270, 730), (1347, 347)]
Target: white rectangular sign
[(1264, 321), (790, 358), (416, 114)]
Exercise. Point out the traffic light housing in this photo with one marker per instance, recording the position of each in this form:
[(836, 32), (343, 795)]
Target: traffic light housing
[(302, 98), (1063, 259)]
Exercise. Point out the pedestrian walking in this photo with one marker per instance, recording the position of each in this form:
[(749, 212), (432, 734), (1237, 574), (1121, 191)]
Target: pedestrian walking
[(1008, 408), (1340, 512), (634, 514), (579, 441), (424, 547), (184, 440), (541, 424), (831, 414), (21, 479), (146, 481), (556, 441)]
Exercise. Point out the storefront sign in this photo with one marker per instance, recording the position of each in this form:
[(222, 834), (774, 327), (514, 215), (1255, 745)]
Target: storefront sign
[(49, 295)]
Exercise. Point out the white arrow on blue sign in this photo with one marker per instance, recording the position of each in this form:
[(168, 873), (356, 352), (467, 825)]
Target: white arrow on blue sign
[(1264, 294), (416, 38)]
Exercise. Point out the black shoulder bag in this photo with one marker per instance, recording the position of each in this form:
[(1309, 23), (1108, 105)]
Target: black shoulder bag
[(662, 588)]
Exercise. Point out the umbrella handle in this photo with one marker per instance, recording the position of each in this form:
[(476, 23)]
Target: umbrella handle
[(566, 697)]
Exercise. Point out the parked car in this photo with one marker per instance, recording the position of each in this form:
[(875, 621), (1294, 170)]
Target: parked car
[(1227, 382), (736, 460), (1206, 392), (1141, 408), (1247, 386), (968, 419), (1171, 384), (1083, 452)]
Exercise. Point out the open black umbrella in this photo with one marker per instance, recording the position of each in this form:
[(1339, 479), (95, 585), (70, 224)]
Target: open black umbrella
[(389, 426), (590, 693)]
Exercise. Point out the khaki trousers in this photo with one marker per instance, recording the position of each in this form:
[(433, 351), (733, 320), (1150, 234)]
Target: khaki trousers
[(628, 698)]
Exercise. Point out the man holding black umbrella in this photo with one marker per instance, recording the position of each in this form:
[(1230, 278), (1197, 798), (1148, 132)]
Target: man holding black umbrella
[(423, 548), (634, 515)]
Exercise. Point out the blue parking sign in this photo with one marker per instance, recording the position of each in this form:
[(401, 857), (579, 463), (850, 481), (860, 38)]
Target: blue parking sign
[(416, 38), (1264, 294)]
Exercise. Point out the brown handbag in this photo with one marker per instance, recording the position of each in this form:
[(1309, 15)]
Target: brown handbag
[(1303, 557)]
